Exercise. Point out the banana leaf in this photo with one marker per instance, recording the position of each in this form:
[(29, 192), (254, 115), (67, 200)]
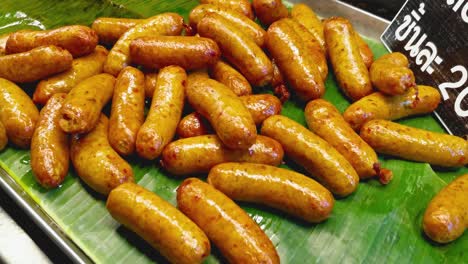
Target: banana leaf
[(375, 224)]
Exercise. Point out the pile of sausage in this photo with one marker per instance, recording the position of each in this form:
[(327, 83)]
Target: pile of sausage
[(213, 67)]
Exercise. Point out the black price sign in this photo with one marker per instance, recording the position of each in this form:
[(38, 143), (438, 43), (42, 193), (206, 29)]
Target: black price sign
[(433, 34)]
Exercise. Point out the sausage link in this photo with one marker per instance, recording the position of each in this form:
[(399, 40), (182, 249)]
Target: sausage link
[(78, 40), (225, 74), (247, 26), (190, 53), (193, 125), (446, 217), (164, 114), (350, 71), (390, 74), (150, 84), (3, 41), (366, 53), (83, 104), (269, 11), (313, 153), (175, 236), (415, 144), (3, 136), (95, 162), (326, 121), (283, 189), (163, 24), (229, 117), (198, 155), (50, 153), (237, 48), (110, 29), (240, 239), (35, 64), (128, 110), (307, 17), (293, 59), (17, 113), (419, 100), (81, 69), (241, 6)]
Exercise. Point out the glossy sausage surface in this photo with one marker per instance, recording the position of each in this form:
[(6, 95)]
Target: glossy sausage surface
[(269, 11), (241, 6), (366, 53), (193, 125), (303, 14), (227, 75), (110, 29), (390, 74), (3, 41)]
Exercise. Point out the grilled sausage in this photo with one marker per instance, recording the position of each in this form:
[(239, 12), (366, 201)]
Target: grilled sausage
[(95, 162), (313, 153), (3, 41), (164, 114), (198, 155), (366, 53), (193, 125), (446, 217), (128, 110), (225, 74), (415, 144), (81, 69), (83, 104), (350, 71), (307, 17), (174, 236), (110, 29), (283, 189), (241, 6), (78, 40), (150, 83), (35, 64), (50, 153), (420, 100), (17, 113), (240, 239), (269, 11), (390, 74)]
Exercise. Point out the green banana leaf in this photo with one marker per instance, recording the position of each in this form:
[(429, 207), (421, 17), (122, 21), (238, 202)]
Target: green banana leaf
[(375, 224)]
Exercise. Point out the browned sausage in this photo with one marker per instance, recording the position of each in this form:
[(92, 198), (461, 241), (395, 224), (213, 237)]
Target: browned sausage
[(283, 189), (198, 155), (17, 113), (110, 29), (50, 153), (78, 40), (3, 137), (422, 100), (237, 48), (241, 6), (307, 17), (366, 53), (150, 83), (390, 74), (446, 217), (269, 11), (35, 64), (81, 69), (225, 74), (164, 114), (95, 162), (128, 110), (230, 228), (3, 41), (174, 236), (415, 144), (193, 125), (313, 153), (83, 105)]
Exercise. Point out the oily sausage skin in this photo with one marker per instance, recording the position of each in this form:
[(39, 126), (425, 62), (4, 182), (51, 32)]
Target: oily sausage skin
[(110, 29), (313, 153), (350, 71), (269, 11), (3, 41), (305, 16), (366, 53), (83, 104), (77, 39), (210, 209), (446, 216), (193, 125), (108, 169), (241, 6), (50, 150), (18, 114), (175, 236), (150, 83), (198, 155), (283, 189), (417, 101), (128, 110), (390, 74), (415, 144), (81, 69), (35, 64), (227, 75)]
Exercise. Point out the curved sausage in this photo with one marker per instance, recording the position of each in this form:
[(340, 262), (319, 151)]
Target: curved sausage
[(225, 74), (175, 236), (198, 155), (269, 11), (83, 104), (390, 74), (283, 189), (307, 17), (110, 29), (50, 151), (17, 113), (415, 144), (81, 69), (95, 162), (241, 6), (366, 53), (240, 239), (128, 110), (193, 125), (313, 153)]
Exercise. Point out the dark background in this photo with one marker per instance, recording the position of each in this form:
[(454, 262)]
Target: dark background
[(383, 8)]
